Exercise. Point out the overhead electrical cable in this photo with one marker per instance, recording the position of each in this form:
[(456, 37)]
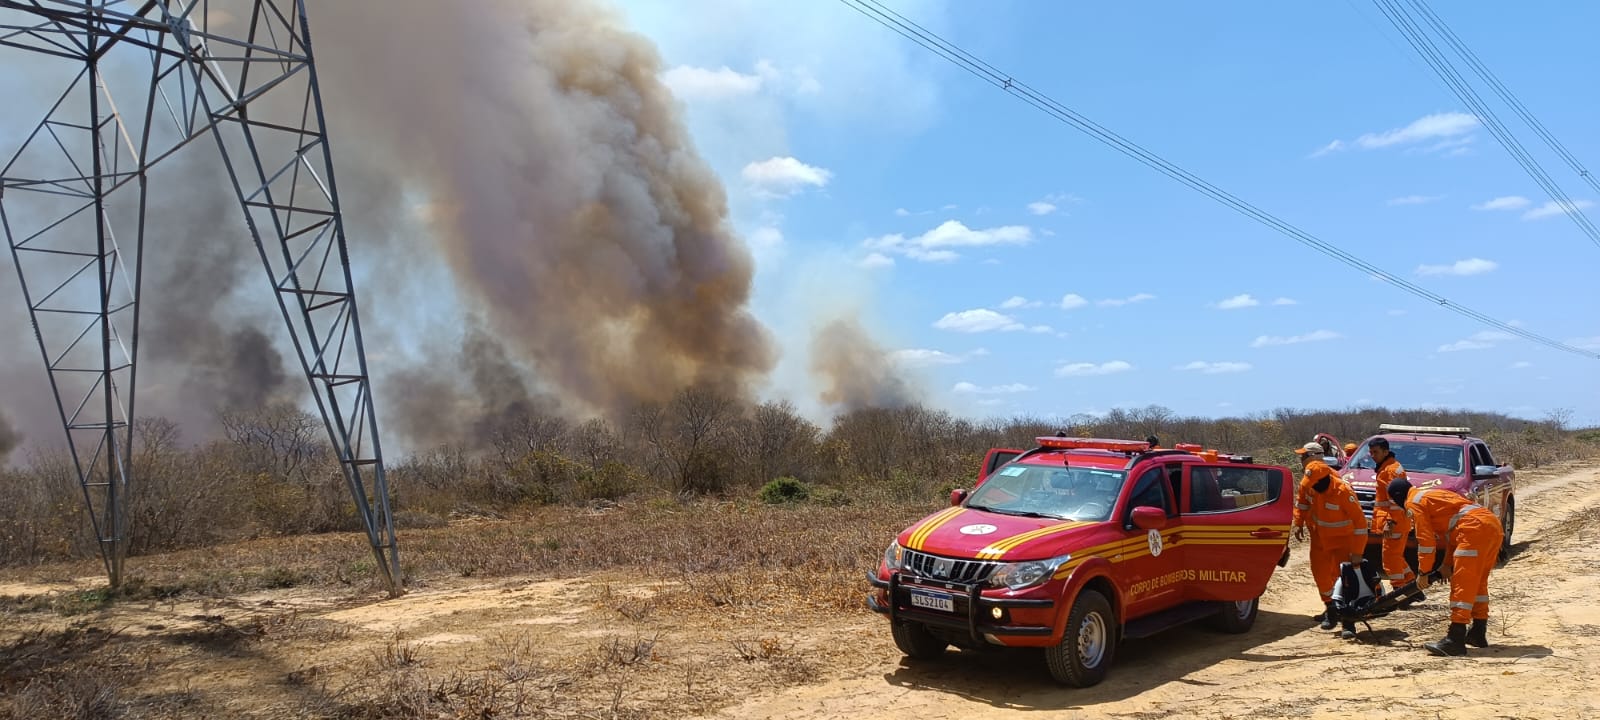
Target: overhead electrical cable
[(1410, 28), (1506, 95), (988, 73)]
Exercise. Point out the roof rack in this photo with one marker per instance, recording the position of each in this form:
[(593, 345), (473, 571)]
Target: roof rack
[(1460, 432)]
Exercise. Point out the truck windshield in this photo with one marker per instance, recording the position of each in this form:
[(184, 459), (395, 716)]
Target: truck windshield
[(1432, 458), (1068, 493)]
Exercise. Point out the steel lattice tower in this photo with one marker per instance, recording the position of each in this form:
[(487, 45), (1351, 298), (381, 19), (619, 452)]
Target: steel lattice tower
[(152, 76)]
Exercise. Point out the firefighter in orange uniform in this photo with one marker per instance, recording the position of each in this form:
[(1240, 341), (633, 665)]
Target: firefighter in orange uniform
[(1350, 449), (1389, 519), (1447, 521), (1328, 506)]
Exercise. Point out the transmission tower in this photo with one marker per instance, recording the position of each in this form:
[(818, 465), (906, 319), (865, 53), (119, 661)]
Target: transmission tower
[(149, 77)]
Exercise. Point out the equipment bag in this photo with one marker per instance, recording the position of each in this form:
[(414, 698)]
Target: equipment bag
[(1353, 593)]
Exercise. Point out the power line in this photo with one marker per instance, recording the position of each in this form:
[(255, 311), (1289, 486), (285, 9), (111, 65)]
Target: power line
[(1505, 94), (1430, 52), (988, 73)]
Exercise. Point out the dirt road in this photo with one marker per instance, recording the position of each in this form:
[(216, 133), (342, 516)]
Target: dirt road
[(1544, 634)]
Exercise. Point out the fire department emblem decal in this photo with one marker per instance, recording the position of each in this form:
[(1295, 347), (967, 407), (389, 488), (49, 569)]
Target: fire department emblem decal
[(978, 529), (1155, 543)]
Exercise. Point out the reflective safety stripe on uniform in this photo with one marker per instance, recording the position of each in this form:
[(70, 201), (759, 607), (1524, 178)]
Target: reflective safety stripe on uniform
[(1477, 547), (1461, 514), (1332, 524)]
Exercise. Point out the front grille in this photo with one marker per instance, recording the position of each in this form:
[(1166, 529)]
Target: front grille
[(952, 569), (1367, 498)]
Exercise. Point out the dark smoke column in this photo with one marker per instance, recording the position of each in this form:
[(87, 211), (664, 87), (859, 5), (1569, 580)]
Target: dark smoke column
[(568, 200)]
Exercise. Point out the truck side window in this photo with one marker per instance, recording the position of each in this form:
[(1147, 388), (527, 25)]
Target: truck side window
[(1488, 459), (1477, 456), (1150, 491), (1230, 489)]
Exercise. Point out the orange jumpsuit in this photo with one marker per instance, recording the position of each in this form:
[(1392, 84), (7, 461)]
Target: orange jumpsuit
[(1384, 510), (1338, 528), (1446, 520)]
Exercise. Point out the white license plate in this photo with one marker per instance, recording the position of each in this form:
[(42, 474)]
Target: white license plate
[(933, 601)]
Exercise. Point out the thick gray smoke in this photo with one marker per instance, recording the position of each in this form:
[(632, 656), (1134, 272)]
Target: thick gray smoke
[(569, 202), (9, 439), (855, 371)]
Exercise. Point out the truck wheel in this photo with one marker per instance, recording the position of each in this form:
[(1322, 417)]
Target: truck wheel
[(1508, 523), (1237, 617), (916, 642), (1087, 646)]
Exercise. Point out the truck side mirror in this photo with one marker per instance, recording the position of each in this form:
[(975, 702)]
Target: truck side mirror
[(957, 496), (1485, 471), (1149, 518)]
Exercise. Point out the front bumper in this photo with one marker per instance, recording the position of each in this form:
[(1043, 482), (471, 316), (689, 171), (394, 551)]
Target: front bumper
[(973, 609)]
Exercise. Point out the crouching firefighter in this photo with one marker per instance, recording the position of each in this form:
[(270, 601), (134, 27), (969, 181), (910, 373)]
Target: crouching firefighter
[(1445, 520), (1328, 506)]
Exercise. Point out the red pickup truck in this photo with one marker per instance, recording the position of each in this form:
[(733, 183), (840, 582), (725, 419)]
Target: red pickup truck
[(1447, 457), (1079, 543)]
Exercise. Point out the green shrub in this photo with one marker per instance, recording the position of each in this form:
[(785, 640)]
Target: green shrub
[(784, 490)]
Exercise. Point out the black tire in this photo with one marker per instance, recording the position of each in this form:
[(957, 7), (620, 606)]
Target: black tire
[(1088, 645), (1236, 618), (1508, 524), (916, 642)]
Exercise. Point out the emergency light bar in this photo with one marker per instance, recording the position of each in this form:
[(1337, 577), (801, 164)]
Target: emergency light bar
[(1425, 430), (1061, 443)]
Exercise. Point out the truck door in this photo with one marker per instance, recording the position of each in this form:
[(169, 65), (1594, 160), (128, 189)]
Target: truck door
[(1149, 563), (1236, 521), (993, 461)]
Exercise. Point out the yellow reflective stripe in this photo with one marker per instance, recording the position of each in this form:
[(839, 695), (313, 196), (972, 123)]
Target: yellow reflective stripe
[(921, 535), (1001, 547), (1231, 541)]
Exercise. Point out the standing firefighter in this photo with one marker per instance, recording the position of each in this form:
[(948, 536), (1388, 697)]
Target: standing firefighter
[(1447, 521), (1389, 518), (1338, 529)]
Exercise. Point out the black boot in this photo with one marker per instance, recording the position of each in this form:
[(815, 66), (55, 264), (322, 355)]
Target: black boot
[(1478, 634), (1348, 632), (1414, 599), (1326, 617), (1453, 644)]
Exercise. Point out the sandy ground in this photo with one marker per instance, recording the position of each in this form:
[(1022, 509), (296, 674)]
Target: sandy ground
[(612, 646)]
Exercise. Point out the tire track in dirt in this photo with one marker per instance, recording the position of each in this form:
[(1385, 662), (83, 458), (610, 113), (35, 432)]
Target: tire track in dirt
[(1544, 631)]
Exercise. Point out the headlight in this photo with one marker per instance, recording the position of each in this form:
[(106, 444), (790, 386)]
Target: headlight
[(891, 556), (1017, 576)]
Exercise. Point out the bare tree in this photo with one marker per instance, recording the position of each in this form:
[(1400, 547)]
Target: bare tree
[(688, 437), (776, 441)]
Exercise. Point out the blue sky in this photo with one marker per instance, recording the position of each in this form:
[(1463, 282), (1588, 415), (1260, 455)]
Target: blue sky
[(1018, 266)]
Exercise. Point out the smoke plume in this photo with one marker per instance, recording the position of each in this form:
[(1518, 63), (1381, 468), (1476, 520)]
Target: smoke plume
[(9, 439), (854, 371), (568, 200)]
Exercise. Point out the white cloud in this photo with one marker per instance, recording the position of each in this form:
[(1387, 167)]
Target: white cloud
[(1553, 208), (977, 321), (1478, 341), (1215, 368), (695, 83), (766, 238), (1316, 336), (784, 175), (1073, 301), (932, 246), (876, 260), (1086, 369), (1508, 202), (1520, 364), (1428, 127), (1041, 329), (1470, 266), (1285, 301), (1119, 302), (902, 212), (973, 389), (1017, 301), (925, 357), (1415, 200), (1051, 203), (1238, 302)]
